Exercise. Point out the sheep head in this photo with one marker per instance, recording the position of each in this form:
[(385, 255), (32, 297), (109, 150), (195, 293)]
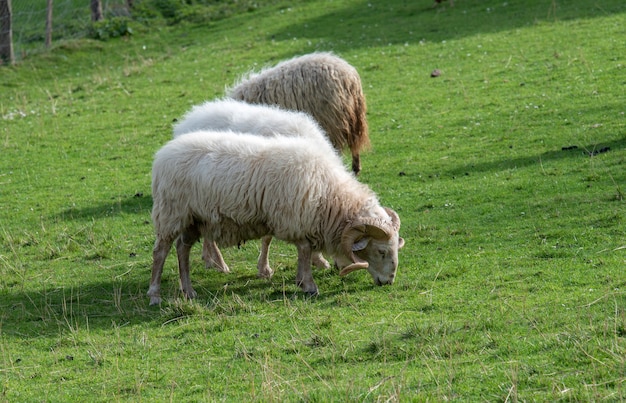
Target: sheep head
[(372, 244)]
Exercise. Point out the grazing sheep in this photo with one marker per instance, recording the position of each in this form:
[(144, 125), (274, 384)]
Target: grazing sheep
[(231, 188), (264, 120), (321, 84)]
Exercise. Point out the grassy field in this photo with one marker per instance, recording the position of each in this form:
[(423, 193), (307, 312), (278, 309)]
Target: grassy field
[(508, 172)]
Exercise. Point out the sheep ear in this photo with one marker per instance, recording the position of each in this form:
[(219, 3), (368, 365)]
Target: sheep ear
[(360, 244), (400, 243), (353, 267)]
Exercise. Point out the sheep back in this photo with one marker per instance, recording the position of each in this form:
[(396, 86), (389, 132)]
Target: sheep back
[(242, 117)]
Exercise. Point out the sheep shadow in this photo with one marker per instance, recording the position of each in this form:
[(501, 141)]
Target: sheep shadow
[(135, 204), (567, 151), (52, 311)]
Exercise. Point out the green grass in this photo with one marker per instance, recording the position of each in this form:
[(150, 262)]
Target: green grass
[(511, 286)]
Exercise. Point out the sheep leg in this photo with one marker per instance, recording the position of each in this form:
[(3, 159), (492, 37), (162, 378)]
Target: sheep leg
[(356, 163), (213, 257), (304, 276), (159, 254), (183, 246), (265, 271), (318, 260)]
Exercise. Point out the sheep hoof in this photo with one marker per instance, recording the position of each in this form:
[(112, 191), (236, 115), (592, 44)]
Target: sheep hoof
[(224, 269), (154, 292), (309, 289), (265, 272), (212, 264), (314, 293), (191, 294), (155, 301)]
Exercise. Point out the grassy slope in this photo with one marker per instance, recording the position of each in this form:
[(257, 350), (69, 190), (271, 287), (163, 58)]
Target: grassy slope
[(511, 284)]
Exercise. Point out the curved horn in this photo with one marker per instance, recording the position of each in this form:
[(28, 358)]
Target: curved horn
[(349, 236), (353, 267), (378, 228)]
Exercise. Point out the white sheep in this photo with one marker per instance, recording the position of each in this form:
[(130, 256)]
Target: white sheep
[(264, 120), (321, 84), (242, 117), (231, 188)]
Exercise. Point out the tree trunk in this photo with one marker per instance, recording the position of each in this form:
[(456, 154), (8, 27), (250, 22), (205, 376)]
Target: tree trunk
[(6, 33), (96, 10), (49, 25)]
